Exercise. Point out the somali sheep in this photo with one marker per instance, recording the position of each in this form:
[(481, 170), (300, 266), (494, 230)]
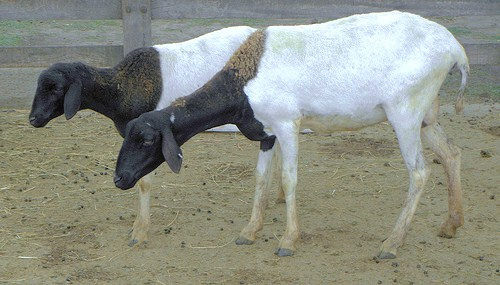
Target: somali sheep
[(340, 75), (146, 79)]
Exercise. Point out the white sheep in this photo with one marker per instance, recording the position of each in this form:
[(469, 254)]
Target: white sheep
[(340, 75), (146, 79)]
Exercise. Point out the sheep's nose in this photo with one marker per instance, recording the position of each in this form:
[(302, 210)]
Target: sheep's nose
[(124, 180), (117, 178), (36, 122)]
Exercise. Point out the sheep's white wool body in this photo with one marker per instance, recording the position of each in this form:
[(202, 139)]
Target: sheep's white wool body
[(351, 73), (346, 74), (188, 65)]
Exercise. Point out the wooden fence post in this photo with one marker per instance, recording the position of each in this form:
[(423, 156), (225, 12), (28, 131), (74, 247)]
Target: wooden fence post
[(136, 15)]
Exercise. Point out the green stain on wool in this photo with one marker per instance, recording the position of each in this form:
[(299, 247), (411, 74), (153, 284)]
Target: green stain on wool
[(292, 41), (170, 58)]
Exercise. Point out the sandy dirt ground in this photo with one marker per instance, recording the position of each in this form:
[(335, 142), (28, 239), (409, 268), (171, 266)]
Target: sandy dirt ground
[(62, 221)]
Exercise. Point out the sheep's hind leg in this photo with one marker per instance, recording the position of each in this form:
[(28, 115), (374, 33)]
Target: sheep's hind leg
[(142, 221), (263, 178), (449, 156), (289, 143), (411, 149)]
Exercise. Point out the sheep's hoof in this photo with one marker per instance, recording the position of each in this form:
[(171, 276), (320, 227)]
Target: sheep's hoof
[(447, 230), (136, 242), (139, 233), (444, 234), (386, 255), (243, 241), (133, 242), (282, 252)]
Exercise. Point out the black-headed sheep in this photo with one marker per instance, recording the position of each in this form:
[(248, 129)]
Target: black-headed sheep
[(146, 79), (340, 75)]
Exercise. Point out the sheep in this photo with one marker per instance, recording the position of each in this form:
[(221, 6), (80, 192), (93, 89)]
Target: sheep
[(146, 79), (340, 75)]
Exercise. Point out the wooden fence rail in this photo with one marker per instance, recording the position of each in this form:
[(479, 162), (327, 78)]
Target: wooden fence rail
[(137, 15), (182, 9)]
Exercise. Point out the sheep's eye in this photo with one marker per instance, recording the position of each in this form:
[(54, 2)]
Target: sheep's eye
[(147, 143)]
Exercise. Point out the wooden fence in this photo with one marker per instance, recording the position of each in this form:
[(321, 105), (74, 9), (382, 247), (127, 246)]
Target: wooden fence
[(137, 15)]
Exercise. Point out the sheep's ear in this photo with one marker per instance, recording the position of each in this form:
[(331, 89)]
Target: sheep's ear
[(171, 150), (72, 99)]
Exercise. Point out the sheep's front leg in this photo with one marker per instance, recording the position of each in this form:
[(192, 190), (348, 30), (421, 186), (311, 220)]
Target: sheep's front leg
[(289, 144), (142, 221), (449, 155), (277, 161), (411, 149), (263, 177)]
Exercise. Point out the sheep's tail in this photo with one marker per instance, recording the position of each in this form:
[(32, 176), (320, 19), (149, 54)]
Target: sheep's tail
[(463, 65)]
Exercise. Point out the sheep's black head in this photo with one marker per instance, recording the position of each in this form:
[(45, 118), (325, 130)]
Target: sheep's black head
[(58, 92), (149, 142)]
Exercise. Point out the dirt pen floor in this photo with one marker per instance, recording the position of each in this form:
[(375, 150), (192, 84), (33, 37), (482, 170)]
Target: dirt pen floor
[(62, 221)]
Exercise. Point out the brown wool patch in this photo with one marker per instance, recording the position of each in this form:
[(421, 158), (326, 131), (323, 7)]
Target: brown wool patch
[(246, 59), (139, 76), (179, 102)]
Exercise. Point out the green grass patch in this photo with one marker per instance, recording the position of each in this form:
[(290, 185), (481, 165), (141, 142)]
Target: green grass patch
[(13, 26), (86, 25), (460, 31), (466, 32), (20, 33), (10, 31), (483, 83)]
